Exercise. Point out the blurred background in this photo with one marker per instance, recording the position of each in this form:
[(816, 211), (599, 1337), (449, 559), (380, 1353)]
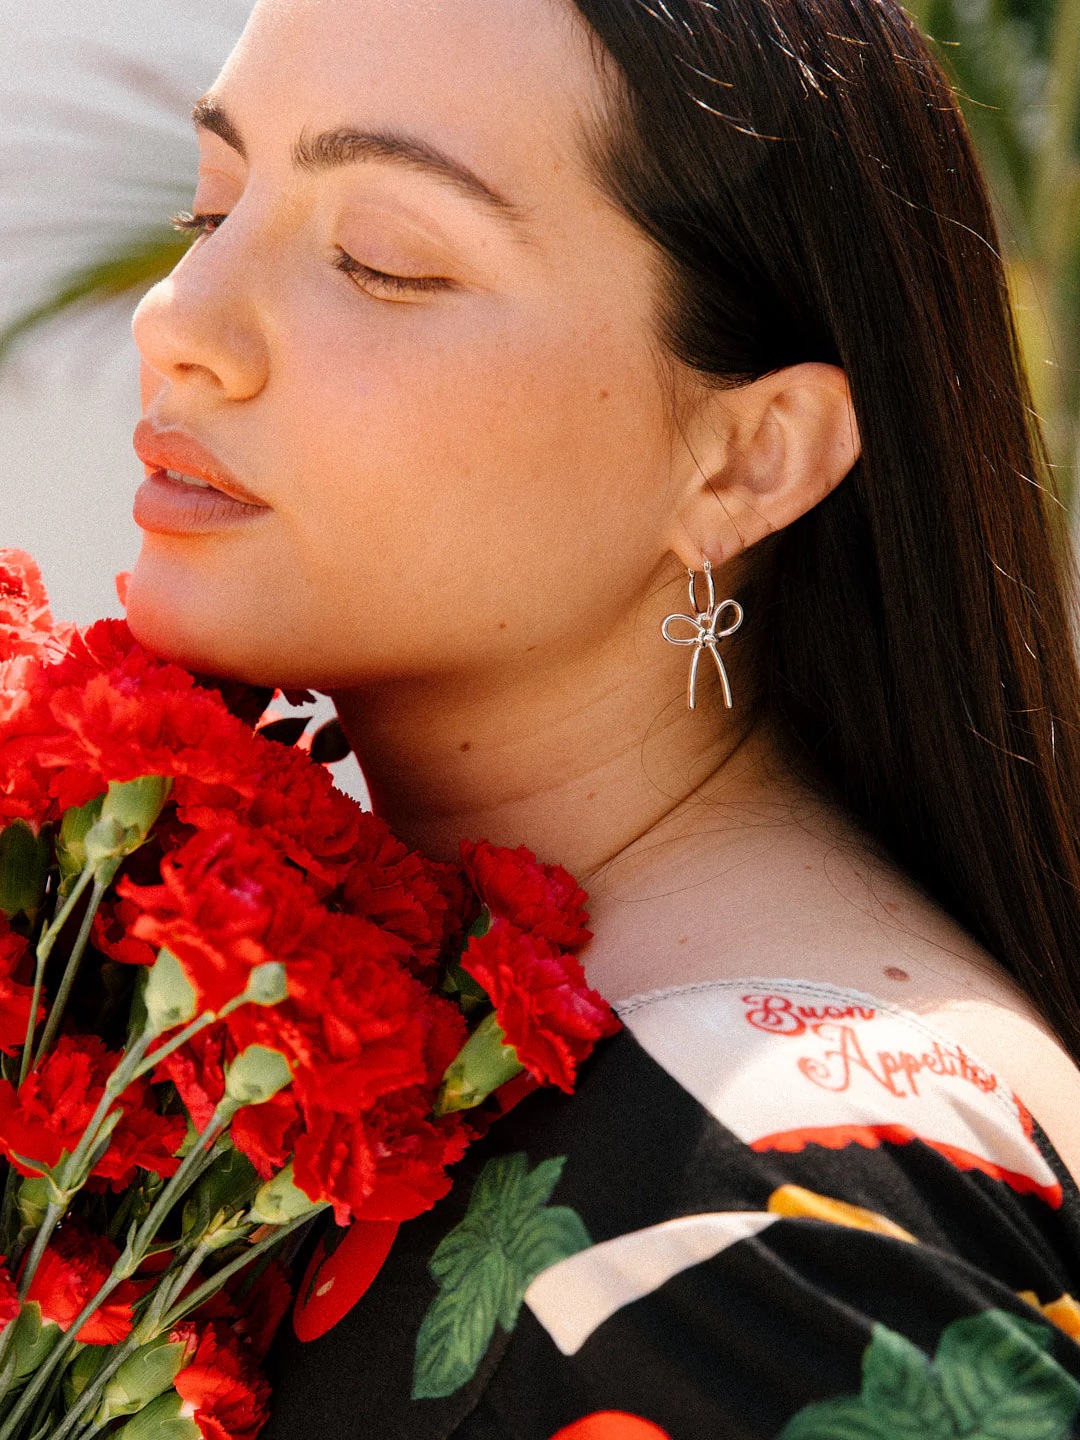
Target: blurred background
[(96, 151)]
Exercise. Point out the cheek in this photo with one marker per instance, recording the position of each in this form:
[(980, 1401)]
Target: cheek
[(514, 439)]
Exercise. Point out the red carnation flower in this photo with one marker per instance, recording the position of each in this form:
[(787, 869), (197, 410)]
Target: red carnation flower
[(15, 999), (52, 1107), (545, 899), (353, 1026), (9, 1294), (227, 902), (267, 1133), (73, 1269), (398, 889), (222, 1389), (550, 1016), (25, 620), (414, 1153), (290, 800), (111, 933), (260, 1306), (197, 1069)]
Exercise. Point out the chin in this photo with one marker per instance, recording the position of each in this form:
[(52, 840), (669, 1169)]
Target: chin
[(181, 620)]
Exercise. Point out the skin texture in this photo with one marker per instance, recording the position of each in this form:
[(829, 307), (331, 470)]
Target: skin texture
[(483, 496)]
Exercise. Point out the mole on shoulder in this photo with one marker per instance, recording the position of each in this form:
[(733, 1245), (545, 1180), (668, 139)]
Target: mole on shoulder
[(895, 973)]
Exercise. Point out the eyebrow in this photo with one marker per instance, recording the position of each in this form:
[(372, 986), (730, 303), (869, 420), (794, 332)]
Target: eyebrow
[(335, 148)]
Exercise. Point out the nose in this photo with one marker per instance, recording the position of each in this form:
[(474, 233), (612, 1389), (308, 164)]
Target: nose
[(199, 328)]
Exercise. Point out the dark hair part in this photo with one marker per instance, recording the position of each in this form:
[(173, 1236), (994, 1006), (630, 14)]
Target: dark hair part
[(806, 174)]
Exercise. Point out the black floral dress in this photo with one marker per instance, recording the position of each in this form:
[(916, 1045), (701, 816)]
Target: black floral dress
[(772, 1209)]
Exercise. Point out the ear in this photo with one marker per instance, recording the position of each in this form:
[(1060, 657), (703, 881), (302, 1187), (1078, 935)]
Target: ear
[(756, 458)]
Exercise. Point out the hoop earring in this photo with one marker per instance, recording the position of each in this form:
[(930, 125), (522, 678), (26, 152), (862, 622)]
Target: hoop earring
[(707, 635)]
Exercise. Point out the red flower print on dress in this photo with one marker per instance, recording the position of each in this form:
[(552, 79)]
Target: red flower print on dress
[(611, 1425), (548, 1013), (74, 1267), (545, 899)]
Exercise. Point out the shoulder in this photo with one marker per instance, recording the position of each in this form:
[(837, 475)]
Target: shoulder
[(808, 897)]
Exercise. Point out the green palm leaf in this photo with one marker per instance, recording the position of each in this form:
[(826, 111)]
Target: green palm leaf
[(131, 269)]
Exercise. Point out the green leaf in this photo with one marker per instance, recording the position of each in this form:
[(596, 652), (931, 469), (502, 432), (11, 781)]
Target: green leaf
[(992, 1378), (546, 1238), (1000, 1382), (846, 1418), (458, 1328), (132, 267), (902, 1391), (24, 865), (486, 1263), (161, 1420)]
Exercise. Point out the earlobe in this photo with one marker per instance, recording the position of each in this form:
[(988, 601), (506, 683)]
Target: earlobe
[(778, 446)]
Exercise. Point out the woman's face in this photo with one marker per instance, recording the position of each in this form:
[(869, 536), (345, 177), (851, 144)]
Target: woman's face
[(467, 467)]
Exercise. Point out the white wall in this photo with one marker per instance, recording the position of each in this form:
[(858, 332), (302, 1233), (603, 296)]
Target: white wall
[(95, 142)]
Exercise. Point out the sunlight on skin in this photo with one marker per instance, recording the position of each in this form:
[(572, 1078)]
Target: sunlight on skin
[(479, 507)]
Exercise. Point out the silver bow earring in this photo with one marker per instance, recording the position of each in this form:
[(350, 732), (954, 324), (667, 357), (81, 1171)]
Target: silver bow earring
[(707, 635)]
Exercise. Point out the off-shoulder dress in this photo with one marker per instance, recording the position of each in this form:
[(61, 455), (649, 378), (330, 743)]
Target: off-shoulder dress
[(773, 1208)]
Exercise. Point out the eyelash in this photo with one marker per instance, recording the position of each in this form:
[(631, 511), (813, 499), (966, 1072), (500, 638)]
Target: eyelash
[(374, 279)]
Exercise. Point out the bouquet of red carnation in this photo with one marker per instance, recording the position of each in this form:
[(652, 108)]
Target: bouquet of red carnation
[(229, 999)]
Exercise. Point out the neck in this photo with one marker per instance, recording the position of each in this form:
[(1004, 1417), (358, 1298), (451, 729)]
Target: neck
[(578, 762)]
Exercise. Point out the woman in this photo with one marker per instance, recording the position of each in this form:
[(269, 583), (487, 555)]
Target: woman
[(505, 315)]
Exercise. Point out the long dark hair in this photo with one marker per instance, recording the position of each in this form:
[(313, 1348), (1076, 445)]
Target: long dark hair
[(807, 176)]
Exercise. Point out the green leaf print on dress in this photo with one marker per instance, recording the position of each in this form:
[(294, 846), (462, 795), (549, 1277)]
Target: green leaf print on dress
[(486, 1263), (992, 1378)]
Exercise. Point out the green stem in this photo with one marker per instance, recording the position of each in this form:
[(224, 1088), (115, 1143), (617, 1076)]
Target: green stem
[(125, 1266), (56, 1010), (218, 1279), (7, 1210), (53, 1216), (193, 1163), (45, 945), (117, 1083), (94, 1389), (181, 1038)]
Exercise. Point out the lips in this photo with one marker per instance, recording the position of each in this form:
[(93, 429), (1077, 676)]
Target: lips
[(187, 490), (176, 451)]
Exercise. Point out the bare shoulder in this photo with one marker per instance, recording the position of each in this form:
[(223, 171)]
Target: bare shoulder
[(809, 898)]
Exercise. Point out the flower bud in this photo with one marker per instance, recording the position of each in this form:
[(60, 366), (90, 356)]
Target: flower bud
[(74, 827), (280, 1200), (136, 804), (168, 995), (483, 1063), (162, 1419), (267, 984), (256, 1075)]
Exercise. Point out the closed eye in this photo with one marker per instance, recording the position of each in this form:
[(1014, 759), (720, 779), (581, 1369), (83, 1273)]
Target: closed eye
[(392, 285), (374, 281)]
